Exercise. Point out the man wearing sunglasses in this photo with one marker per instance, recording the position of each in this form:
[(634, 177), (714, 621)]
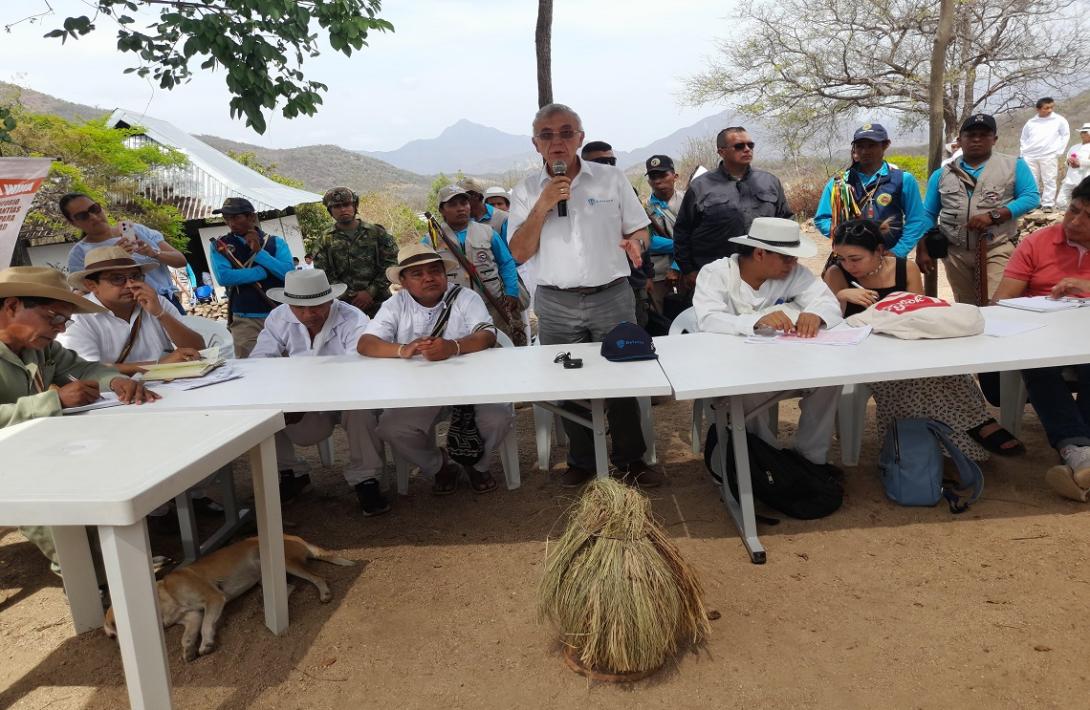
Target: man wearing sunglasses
[(145, 245), (722, 204), (138, 326), (582, 223)]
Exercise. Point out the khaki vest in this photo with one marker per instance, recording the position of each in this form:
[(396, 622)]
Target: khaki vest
[(496, 222), (478, 250), (994, 189)]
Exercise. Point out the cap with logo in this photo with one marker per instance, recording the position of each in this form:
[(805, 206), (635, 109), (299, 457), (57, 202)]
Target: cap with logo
[(451, 191), (978, 120), (659, 164), (235, 205), (871, 132), (628, 341)]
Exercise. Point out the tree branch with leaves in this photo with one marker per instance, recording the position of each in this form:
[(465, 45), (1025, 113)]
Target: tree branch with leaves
[(261, 44)]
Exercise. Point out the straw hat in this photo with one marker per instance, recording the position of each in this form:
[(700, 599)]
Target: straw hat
[(414, 255), (42, 282), (306, 287), (782, 236), (107, 259)]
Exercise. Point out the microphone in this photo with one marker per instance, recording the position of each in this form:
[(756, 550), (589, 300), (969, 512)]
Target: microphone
[(560, 168)]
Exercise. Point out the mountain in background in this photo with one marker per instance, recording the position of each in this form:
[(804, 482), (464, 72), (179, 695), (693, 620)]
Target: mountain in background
[(466, 146), (320, 167), (37, 102)]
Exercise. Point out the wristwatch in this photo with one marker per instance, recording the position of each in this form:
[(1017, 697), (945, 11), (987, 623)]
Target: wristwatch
[(996, 216)]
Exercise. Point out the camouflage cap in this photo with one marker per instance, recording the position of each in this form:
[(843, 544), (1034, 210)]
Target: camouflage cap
[(470, 185), (450, 192), (339, 196), (236, 205)]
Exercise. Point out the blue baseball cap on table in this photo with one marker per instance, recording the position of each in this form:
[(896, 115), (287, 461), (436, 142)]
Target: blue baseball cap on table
[(627, 342)]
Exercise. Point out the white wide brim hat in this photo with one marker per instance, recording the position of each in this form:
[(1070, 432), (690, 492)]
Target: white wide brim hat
[(783, 236), (306, 287)]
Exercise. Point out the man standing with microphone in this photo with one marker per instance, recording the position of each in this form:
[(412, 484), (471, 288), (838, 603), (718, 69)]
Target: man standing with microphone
[(581, 222)]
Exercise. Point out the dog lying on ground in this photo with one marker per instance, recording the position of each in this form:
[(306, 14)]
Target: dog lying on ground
[(194, 596)]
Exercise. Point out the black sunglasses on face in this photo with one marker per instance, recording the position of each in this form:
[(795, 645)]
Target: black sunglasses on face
[(744, 145), (565, 134), (604, 161), (84, 214), (56, 319), (122, 279)]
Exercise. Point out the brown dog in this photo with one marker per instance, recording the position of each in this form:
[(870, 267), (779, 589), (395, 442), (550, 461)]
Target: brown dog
[(195, 595)]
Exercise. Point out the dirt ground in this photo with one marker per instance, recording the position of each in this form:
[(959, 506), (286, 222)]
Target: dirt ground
[(876, 606)]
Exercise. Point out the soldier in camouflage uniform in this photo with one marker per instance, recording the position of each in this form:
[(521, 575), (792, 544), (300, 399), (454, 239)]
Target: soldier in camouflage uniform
[(355, 252)]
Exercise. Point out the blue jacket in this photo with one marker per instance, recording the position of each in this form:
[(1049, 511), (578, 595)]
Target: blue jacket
[(268, 270), (896, 195)]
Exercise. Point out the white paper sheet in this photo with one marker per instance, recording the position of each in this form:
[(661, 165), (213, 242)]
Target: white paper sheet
[(105, 399), (1043, 304)]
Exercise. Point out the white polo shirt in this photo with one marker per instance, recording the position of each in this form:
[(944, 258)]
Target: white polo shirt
[(284, 336), (99, 337), (401, 319), (582, 249)]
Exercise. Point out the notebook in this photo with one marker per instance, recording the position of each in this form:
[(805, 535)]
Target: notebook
[(1044, 304), (180, 370)]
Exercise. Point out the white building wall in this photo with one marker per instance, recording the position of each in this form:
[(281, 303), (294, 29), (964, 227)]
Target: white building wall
[(55, 255)]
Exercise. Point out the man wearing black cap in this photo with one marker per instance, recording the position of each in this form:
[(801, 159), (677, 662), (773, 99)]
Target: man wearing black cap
[(722, 203), (662, 208), (976, 202), (247, 262), (874, 189)]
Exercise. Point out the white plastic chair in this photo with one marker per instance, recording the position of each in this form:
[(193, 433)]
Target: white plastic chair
[(851, 413), (685, 322), (214, 332)]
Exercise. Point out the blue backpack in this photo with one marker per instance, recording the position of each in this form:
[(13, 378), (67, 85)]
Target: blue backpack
[(911, 465)]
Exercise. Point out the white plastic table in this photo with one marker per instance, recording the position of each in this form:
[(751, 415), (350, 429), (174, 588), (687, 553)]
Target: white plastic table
[(307, 384), (707, 365), (110, 472)]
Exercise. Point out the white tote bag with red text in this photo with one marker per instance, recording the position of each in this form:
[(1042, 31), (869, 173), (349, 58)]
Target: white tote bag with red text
[(912, 316)]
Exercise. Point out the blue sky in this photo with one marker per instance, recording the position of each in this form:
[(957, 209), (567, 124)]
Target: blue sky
[(620, 64)]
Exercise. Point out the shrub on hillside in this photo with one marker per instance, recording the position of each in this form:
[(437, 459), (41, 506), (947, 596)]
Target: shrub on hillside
[(804, 193), (915, 164)]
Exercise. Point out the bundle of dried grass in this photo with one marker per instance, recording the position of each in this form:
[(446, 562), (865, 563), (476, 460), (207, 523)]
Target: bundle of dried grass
[(617, 588)]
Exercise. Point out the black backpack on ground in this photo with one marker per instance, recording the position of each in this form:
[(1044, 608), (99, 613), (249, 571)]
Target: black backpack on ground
[(782, 479)]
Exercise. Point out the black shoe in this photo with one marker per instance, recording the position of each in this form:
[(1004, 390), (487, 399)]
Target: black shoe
[(574, 477), (640, 475), (372, 502), (292, 485)]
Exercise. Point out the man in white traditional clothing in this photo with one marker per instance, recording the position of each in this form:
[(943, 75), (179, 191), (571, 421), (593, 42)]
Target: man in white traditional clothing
[(437, 320), (314, 321), (762, 289)]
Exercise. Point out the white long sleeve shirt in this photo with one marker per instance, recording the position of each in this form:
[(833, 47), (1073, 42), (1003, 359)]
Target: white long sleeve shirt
[(1045, 137), (402, 319), (725, 303), (1081, 151), (100, 337), (284, 336)]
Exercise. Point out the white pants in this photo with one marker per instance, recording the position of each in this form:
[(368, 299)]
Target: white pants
[(364, 446), (410, 431), (1044, 173), (816, 422), (1071, 181)]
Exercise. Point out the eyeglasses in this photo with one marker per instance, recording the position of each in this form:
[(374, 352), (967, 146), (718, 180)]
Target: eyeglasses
[(56, 319), (743, 145), (84, 214), (122, 279), (604, 160), (565, 134)]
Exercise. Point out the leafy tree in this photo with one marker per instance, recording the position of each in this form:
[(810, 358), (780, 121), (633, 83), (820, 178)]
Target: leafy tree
[(314, 221), (802, 64), (106, 163), (259, 43)]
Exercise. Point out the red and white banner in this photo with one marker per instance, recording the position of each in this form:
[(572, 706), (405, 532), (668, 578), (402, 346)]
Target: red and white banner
[(20, 178)]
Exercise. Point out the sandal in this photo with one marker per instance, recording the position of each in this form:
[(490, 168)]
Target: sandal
[(446, 479), (1062, 480), (995, 441), (480, 481)]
